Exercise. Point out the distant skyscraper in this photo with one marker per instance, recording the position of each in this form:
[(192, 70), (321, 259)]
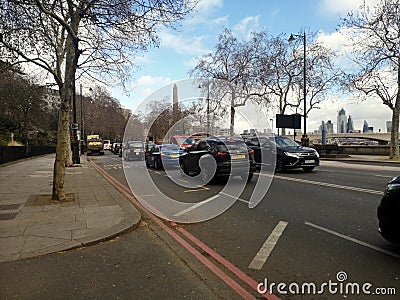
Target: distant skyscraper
[(365, 127), (342, 121), (388, 126), (350, 125), (329, 127)]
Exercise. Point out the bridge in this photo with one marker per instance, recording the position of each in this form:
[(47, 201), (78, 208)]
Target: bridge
[(381, 138)]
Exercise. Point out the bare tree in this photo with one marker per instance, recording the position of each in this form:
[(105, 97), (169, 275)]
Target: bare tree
[(267, 70), (375, 36), (92, 37), (22, 106), (232, 68), (285, 64), (102, 114)]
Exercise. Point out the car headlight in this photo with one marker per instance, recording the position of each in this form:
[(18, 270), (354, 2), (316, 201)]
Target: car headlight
[(392, 186), (292, 154), (316, 153)]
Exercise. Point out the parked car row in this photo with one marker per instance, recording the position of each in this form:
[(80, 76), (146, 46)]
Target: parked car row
[(214, 157), (229, 155)]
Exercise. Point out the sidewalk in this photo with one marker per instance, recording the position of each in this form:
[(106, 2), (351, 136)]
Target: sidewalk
[(32, 225)]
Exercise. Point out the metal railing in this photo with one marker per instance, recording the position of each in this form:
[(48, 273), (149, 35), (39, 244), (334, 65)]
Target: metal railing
[(13, 153)]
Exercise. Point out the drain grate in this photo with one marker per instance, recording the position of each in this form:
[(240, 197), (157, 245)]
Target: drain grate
[(9, 206), (8, 216)]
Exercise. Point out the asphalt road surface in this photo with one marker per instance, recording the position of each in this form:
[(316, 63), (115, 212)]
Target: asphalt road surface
[(313, 236)]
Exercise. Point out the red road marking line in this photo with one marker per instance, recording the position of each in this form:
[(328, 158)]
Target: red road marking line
[(221, 274), (231, 267), (228, 280)]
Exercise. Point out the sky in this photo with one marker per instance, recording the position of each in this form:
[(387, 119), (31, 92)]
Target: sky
[(198, 34)]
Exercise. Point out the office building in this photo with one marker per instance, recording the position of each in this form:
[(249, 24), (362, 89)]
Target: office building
[(388, 126), (350, 124), (342, 121)]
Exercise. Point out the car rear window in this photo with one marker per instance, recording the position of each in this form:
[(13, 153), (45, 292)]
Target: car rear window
[(231, 146), (170, 147), (136, 145)]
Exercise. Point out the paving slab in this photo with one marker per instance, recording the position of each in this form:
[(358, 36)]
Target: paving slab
[(32, 225)]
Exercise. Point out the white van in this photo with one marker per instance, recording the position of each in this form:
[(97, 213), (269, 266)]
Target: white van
[(107, 144)]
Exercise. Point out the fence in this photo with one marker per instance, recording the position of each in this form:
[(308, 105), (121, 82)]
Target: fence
[(12, 153)]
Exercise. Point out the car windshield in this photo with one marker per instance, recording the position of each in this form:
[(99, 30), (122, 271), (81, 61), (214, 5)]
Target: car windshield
[(282, 141), (136, 145), (188, 141), (181, 140)]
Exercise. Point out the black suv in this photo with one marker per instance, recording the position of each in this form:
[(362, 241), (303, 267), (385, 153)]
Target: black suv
[(289, 154), (133, 150), (214, 157), (389, 212)]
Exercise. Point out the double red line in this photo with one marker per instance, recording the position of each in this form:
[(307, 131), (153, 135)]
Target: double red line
[(173, 232)]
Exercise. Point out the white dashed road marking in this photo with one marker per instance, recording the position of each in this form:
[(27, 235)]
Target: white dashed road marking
[(353, 240), (332, 185), (265, 251)]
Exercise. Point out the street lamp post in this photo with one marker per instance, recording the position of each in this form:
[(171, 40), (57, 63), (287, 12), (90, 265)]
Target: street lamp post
[(82, 124), (304, 139), (75, 147)]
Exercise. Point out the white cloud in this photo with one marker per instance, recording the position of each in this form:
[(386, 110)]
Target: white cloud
[(208, 6), (148, 81), (342, 7), (181, 44), (245, 26), (337, 41), (203, 13), (145, 91)]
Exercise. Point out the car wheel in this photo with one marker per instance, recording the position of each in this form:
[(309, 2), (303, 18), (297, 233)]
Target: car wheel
[(182, 169), (248, 177), (157, 165), (279, 168), (389, 234), (308, 169)]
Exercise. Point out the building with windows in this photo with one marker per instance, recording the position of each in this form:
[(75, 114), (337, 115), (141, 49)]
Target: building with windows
[(350, 124), (365, 127), (342, 121), (388, 126)]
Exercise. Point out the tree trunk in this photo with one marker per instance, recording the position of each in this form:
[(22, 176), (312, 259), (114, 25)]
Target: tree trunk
[(63, 140), (58, 193), (232, 125)]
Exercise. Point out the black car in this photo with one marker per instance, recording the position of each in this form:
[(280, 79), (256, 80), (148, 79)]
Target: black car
[(163, 155), (133, 150), (218, 157), (288, 153), (389, 212), (115, 148), (147, 148)]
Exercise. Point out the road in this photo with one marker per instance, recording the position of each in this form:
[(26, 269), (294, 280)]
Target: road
[(319, 225), (311, 230)]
